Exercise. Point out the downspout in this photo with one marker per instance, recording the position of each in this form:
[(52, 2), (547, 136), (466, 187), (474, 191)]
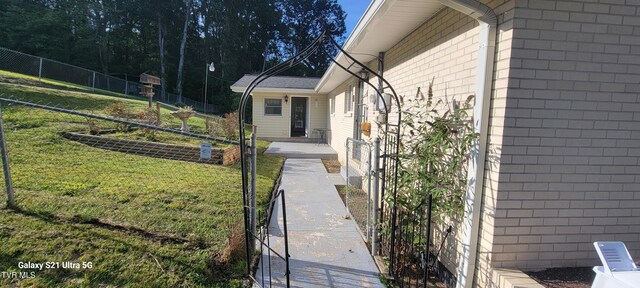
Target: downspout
[(475, 173)]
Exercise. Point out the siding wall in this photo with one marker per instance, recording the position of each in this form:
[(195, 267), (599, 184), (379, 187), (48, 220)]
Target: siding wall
[(570, 171), (278, 126)]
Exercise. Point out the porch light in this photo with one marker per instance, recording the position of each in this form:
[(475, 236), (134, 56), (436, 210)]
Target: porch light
[(286, 98), (363, 74), (316, 102)]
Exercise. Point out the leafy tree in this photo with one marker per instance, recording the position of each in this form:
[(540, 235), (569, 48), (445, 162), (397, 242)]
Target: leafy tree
[(303, 20), (173, 39)]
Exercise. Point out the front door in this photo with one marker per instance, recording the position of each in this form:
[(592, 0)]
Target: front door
[(298, 116)]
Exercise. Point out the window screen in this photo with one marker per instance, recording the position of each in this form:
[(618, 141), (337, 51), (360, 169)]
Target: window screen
[(272, 106)]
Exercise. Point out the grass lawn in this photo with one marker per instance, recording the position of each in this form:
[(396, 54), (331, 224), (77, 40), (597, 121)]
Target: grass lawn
[(140, 221), (12, 77)]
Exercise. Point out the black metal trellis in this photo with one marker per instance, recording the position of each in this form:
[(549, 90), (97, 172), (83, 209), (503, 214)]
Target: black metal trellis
[(391, 146), (265, 243), (391, 133), (296, 59)]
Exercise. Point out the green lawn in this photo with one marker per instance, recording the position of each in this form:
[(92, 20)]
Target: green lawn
[(140, 221), (12, 77)]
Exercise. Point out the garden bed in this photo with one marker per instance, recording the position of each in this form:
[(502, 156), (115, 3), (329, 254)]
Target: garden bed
[(332, 165), (573, 277), (219, 156)]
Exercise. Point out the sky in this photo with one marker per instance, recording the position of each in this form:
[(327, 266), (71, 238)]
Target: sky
[(354, 9)]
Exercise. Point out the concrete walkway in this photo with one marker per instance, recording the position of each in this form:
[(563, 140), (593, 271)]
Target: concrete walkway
[(302, 150), (326, 249)]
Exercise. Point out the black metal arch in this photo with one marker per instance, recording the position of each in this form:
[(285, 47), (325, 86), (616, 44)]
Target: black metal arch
[(385, 155), (323, 39)]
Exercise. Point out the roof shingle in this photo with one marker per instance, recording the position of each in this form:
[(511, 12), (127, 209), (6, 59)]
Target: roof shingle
[(290, 82)]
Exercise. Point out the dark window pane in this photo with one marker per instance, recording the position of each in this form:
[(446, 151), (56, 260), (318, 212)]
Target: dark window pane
[(272, 106)]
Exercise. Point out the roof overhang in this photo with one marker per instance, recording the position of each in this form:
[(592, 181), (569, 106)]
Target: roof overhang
[(274, 90), (382, 26)]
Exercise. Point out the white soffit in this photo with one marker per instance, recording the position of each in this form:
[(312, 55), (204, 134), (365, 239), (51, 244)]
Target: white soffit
[(383, 25)]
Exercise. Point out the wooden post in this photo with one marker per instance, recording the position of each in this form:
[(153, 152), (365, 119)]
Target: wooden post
[(150, 96)]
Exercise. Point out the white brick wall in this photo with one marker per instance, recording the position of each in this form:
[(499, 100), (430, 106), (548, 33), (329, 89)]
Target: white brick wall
[(491, 224), (569, 157), (563, 154), (444, 49)]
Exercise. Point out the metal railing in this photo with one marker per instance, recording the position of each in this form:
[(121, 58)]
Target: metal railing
[(267, 264), (22, 63)]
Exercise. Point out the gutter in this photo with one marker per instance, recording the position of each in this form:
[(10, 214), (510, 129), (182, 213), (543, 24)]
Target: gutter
[(475, 172)]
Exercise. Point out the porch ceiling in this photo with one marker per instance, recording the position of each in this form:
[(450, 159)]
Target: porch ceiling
[(384, 24)]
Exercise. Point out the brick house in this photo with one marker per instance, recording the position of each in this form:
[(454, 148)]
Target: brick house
[(556, 86)]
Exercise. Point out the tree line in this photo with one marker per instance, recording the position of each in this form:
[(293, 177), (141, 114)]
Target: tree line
[(174, 39)]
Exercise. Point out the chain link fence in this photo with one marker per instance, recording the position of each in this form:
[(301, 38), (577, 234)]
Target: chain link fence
[(358, 191), (118, 185), (43, 68)]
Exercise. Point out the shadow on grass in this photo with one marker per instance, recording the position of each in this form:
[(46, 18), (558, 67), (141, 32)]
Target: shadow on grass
[(199, 271), (77, 219)]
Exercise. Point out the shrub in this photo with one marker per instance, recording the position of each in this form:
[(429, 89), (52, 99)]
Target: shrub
[(121, 111), (225, 262), (93, 126), (230, 125), (213, 126), (118, 110), (149, 117), (434, 153)]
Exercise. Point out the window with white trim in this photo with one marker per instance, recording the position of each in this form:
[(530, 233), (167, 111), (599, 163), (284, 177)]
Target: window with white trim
[(332, 104), (348, 98), (273, 107)]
